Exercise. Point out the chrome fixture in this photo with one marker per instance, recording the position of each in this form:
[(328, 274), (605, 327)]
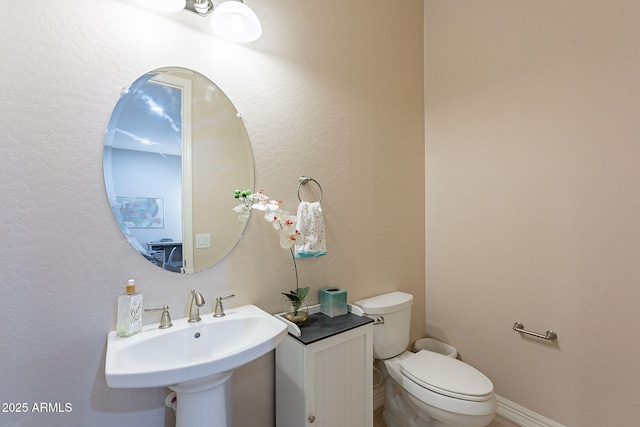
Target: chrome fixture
[(197, 300), (201, 7), (165, 319), (549, 335), (219, 311), (303, 180), (231, 20), (379, 321)]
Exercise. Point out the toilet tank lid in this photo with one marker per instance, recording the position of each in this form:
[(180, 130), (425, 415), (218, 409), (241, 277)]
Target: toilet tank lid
[(385, 303)]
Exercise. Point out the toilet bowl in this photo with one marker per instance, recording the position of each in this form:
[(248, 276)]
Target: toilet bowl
[(424, 389), (444, 390)]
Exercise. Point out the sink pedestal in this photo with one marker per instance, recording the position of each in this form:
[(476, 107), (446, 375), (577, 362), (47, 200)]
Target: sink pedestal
[(202, 402)]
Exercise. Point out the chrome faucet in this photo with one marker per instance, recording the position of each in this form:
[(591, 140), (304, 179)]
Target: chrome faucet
[(197, 300)]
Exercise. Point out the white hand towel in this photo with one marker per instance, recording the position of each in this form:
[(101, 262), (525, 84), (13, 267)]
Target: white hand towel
[(311, 225)]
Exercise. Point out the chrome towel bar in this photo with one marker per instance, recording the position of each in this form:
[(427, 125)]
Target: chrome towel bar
[(549, 335)]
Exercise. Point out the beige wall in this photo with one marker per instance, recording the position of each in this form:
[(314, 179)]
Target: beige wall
[(218, 133), (532, 178), (333, 90)]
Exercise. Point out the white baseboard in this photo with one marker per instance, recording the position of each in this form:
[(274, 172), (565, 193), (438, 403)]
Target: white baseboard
[(522, 416), (506, 409)]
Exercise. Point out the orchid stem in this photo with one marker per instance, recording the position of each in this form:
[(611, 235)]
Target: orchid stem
[(295, 267)]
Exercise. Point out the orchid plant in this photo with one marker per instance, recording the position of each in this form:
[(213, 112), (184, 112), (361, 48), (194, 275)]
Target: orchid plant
[(284, 223)]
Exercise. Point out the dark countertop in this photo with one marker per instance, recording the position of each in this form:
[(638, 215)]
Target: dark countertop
[(319, 326)]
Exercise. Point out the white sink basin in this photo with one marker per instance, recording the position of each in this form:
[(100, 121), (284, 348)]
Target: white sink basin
[(191, 351)]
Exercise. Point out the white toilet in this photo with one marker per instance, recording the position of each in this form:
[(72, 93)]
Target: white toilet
[(424, 389)]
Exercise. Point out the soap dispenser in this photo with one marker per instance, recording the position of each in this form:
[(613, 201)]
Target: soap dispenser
[(129, 311)]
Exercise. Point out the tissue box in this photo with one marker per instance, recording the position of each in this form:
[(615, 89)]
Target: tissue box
[(333, 301)]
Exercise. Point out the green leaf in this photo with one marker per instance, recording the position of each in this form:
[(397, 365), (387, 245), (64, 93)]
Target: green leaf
[(293, 297), (297, 295), (302, 293)]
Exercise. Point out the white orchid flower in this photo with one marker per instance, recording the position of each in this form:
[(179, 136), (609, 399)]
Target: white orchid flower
[(273, 217), (280, 219), (289, 236), (243, 212), (259, 201)]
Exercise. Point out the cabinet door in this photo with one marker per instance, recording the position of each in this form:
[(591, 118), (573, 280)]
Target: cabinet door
[(340, 380)]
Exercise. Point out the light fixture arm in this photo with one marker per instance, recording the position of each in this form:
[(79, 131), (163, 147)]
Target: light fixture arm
[(200, 7)]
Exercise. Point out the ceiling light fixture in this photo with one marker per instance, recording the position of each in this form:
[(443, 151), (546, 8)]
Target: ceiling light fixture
[(235, 21), (231, 20)]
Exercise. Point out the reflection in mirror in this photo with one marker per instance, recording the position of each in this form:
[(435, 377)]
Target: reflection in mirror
[(174, 150)]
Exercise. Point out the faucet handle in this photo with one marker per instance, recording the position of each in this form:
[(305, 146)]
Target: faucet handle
[(165, 319), (219, 311)]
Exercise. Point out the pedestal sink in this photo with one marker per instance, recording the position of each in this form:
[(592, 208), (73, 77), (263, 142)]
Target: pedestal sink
[(193, 359)]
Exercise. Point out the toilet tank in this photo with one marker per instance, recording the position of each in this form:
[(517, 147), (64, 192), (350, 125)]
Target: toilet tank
[(391, 337)]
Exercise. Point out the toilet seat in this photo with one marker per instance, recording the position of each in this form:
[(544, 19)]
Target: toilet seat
[(447, 376)]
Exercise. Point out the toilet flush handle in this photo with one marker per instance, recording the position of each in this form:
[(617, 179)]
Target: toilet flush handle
[(379, 321)]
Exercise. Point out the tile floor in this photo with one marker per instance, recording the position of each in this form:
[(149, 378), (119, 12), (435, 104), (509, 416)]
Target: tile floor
[(497, 421)]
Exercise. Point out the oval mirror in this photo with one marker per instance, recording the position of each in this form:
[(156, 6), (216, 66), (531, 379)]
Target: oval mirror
[(174, 152)]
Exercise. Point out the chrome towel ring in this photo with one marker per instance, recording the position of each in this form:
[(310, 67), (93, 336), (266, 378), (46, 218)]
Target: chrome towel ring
[(303, 181)]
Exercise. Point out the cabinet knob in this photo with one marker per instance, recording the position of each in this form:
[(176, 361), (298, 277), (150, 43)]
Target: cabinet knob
[(312, 419)]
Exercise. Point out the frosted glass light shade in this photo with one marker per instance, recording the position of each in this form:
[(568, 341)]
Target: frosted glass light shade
[(235, 21), (164, 5)]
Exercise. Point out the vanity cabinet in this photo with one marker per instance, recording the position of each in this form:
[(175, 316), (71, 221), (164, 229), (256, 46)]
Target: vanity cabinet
[(324, 372)]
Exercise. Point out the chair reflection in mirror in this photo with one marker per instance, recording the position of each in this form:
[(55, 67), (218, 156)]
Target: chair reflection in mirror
[(174, 260)]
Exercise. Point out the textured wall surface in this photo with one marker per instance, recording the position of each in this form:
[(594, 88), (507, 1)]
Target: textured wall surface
[(532, 178), (333, 90)]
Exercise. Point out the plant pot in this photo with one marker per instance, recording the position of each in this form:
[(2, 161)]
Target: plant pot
[(298, 313)]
